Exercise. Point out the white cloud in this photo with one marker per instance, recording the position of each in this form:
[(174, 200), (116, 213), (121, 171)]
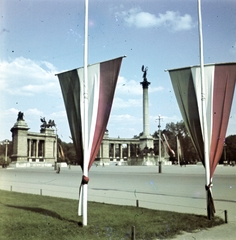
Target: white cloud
[(170, 19), (124, 119), (10, 112), (129, 94), (33, 112), (132, 87), (26, 77), (175, 21), (29, 114), (128, 87), (155, 89), (126, 103), (60, 116), (124, 125), (134, 17)]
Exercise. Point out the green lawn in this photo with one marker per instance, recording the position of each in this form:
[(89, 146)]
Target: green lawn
[(35, 217)]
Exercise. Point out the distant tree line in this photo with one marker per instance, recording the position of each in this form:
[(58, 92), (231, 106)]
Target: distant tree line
[(178, 130), (230, 149), (172, 131)]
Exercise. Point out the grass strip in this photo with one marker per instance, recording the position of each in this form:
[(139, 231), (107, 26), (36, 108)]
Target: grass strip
[(35, 217)]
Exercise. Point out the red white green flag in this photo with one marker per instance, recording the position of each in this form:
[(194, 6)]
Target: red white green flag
[(102, 79), (219, 84)]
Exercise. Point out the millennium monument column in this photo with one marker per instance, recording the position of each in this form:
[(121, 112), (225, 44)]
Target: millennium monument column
[(146, 140)]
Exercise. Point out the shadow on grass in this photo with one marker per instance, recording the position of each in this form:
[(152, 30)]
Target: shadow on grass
[(44, 212)]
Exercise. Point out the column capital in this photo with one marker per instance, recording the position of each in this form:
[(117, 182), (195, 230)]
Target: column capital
[(145, 83)]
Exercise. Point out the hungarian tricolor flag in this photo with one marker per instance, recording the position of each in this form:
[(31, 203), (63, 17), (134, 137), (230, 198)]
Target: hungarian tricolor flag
[(102, 79), (99, 92), (169, 150), (219, 83)]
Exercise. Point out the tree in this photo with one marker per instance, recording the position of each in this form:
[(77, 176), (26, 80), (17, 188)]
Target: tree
[(3, 153), (66, 152), (230, 142), (174, 130)]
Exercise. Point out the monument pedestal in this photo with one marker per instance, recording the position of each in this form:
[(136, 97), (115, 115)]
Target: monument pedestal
[(146, 142), (19, 135)]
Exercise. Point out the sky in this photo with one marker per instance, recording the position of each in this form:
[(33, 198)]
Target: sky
[(40, 38)]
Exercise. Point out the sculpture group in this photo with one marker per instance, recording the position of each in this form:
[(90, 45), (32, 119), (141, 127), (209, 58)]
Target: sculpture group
[(20, 116), (50, 123)]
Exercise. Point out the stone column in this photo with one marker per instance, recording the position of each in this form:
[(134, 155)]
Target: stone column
[(54, 150), (121, 151), (145, 109), (29, 146), (37, 149), (128, 150), (146, 140), (34, 149), (135, 150), (114, 151), (100, 153), (105, 148), (50, 145)]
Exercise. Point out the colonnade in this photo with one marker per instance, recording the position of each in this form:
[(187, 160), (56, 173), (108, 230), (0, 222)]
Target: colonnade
[(35, 148), (118, 149), (122, 150), (42, 147)]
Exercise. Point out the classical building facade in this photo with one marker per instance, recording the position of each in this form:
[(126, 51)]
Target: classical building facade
[(129, 151), (40, 149), (30, 148)]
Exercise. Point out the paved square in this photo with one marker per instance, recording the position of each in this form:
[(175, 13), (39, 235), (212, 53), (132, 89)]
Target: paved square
[(179, 189)]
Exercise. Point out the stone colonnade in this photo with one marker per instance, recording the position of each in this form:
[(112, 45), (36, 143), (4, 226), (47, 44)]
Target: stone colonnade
[(33, 147), (42, 147), (117, 149), (124, 150)]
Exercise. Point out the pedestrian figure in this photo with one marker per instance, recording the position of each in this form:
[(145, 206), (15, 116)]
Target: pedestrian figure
[(58, 169)]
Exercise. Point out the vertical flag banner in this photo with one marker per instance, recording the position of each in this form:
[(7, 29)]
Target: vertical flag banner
[(170, 151), (219, 83), (102, 79)]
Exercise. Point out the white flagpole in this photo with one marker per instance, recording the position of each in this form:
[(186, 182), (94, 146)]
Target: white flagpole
[(85, 137), (203, 98)]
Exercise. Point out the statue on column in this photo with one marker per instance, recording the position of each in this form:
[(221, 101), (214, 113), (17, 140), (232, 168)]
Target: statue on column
[(145, 82), (144, 70), (20, 116)]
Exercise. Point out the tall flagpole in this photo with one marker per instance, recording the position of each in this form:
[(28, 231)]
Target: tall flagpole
[(203, 98), (85, 137)]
